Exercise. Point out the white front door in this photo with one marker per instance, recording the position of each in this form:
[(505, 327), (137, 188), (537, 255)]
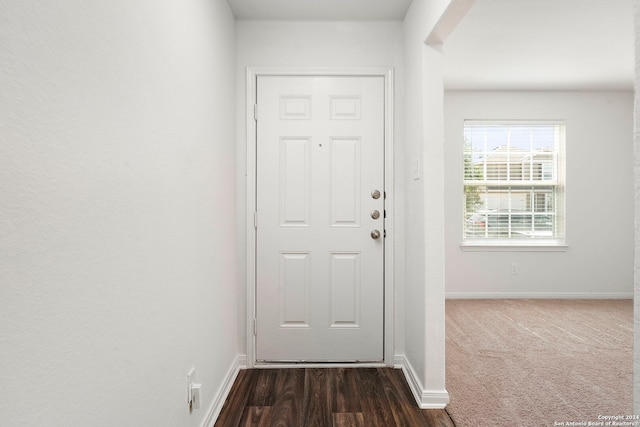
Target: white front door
[(320, 219)]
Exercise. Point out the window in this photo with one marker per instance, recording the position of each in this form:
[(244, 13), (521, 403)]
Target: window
[(513, 182)]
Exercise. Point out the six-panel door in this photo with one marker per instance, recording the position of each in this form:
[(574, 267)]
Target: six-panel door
[(319, 264)]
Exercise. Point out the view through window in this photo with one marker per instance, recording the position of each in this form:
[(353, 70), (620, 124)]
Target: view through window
[(513, 181)]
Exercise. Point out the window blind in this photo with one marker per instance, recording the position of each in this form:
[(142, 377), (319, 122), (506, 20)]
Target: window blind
[(513, 180)]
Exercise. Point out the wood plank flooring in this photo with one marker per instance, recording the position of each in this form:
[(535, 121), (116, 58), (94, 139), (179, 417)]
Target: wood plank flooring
[(325, 397)]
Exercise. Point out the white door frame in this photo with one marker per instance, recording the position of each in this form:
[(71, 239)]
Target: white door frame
[(387, 74)]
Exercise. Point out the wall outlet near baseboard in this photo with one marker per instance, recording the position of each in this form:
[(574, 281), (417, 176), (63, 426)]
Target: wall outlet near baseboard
[(514, 268), (193, 390)]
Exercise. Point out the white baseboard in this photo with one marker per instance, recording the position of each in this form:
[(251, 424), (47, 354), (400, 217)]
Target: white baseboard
[(426, 399), (240, 362), (398, 361), (538, 295)]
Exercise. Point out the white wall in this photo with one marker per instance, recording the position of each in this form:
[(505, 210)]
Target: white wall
[(316, 44), (599, 198), (117, 187), (423, 296)]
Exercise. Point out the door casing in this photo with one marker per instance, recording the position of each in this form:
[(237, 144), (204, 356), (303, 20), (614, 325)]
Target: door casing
[(251, 76)]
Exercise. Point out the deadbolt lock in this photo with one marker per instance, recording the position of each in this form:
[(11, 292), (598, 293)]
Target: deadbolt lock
[(375, 214), (375, 194)]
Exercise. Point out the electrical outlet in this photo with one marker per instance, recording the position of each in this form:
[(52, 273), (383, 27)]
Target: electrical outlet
[(514, 268), (191, 377), (193, 390), (195, 396)]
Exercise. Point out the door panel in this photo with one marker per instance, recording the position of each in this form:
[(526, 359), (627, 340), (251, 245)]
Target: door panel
[(294, 290), (294, 182), (319, 273), (345, 182), (345, 290)]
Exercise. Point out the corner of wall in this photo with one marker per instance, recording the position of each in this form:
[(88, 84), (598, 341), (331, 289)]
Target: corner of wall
[(240, 362), (426, 399)]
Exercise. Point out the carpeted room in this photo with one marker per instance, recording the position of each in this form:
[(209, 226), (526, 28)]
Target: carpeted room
[(545, 333), (524, 324), (539, 362)]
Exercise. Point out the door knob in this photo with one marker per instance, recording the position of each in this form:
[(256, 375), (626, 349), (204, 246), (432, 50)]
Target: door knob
[(375, 234)]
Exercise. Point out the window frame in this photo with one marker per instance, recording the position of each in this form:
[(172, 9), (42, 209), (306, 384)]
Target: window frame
[(558, 185)]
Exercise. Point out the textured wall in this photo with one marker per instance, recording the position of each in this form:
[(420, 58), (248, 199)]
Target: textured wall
[(424, 221), (117, 195), (598, 205)]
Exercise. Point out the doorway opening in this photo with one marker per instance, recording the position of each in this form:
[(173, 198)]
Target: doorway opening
[(289, 318)]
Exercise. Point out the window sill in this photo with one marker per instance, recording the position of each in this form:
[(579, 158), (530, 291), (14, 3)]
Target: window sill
[(514, 246)]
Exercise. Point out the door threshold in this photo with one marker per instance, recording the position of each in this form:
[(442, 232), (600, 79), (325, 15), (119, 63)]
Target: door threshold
[(292, 364)]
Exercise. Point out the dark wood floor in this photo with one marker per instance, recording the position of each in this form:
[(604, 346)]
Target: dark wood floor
[(325, 397)]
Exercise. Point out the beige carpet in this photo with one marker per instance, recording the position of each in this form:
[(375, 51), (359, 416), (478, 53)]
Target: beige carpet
[(538, 362)]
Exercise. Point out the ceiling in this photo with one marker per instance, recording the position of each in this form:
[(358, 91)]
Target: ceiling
[(542, 44), (320, 10), (502, 44)]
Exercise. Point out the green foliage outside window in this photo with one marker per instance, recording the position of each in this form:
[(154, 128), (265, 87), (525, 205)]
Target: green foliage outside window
[(473, 201)]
